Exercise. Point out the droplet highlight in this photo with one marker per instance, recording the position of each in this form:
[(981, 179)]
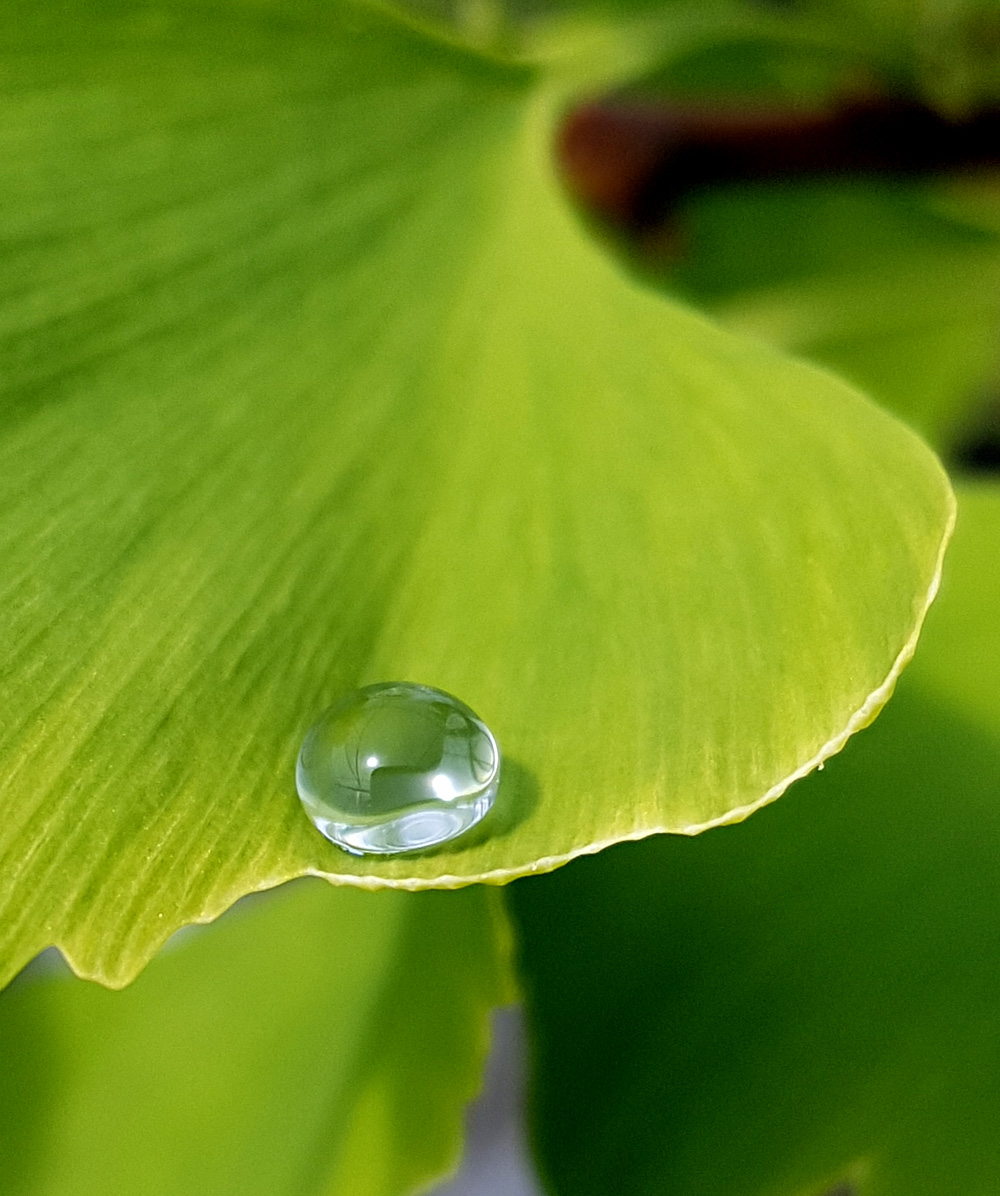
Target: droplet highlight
[(397, 767)]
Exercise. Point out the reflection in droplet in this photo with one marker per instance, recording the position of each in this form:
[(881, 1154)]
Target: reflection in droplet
[(397, 767)]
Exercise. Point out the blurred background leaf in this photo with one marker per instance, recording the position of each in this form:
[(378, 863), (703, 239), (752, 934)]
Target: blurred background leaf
[(316, 1040), (880, 280), (942, 53), (811, 999)]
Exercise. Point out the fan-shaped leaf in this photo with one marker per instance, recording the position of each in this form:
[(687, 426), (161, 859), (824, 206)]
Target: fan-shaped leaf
[(320, 1041), (312, 379)]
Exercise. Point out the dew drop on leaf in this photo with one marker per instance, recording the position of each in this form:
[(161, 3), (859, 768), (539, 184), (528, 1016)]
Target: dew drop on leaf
[(397, 767)]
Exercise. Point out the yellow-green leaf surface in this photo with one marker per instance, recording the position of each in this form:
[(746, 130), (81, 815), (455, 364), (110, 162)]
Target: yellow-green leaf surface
[(810, 1003), (319, 1040), (311, 379)]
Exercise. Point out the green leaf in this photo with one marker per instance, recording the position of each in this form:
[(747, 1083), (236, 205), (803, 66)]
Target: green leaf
[(873, 279), (810, 999), (944, 52), (940, 54), (755, 55), (321, 1040), (943, 55), (313, 380)]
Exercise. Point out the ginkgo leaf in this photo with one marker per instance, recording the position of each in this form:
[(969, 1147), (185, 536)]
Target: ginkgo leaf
[(806, 1004), (321, 1041), (312, 379)]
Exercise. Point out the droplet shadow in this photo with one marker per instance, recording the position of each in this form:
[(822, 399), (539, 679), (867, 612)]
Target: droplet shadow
[(516, 801)]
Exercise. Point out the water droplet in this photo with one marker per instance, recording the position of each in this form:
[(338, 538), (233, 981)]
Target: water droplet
[(821, 765), (397, 767)]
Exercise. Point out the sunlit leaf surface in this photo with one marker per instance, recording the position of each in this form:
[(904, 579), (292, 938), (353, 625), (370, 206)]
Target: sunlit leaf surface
[(810, 1000), (319, 1040), (311, 379)]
